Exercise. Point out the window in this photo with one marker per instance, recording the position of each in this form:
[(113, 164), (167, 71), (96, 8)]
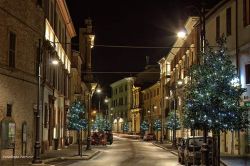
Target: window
[(40, 3), (12, 49), (9, 110), (246, 12), (247, 70), (120, 89), (228, 21), (120, 101), (217, 27)]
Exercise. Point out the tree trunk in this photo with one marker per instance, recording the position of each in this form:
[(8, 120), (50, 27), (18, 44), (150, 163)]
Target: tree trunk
[(218, 148), (78, 137), (205, 152)]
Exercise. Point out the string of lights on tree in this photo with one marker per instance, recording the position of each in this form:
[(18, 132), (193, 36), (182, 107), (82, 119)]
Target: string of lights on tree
[(213, 95), (144, 126), (76, 118), (101, 125), (173, 122), (125, 127), (157, 125)]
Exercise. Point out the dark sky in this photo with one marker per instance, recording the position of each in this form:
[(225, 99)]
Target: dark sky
[(130, 22)]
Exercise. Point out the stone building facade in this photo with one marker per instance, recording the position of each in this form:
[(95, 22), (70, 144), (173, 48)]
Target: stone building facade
[(21, 27), (222, 19), (59, 30)]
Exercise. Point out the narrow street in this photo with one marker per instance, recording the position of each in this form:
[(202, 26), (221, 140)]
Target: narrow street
[(126, 152)]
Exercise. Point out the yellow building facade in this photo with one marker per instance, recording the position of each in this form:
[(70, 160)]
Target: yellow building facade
[(151, 106)]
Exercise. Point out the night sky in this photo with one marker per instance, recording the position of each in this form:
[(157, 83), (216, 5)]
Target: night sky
[(130, 22)]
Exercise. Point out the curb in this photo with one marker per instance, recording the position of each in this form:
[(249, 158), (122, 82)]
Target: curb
[(175, 153), (72, 157), (161, 146)]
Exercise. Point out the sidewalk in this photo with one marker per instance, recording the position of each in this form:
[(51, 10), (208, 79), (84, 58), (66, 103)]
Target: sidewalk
[(225, 160), (70, 153)]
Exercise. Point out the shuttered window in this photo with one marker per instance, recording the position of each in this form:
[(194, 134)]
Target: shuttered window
[(12, 49)]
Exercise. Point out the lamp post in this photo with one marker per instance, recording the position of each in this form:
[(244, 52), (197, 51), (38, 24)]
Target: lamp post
[(106, 100), (174, 88), (117, 128), (37, 146), (93, 89), (99, 91)]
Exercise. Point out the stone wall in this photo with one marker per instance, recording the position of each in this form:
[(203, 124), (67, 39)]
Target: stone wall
[(18, 85)]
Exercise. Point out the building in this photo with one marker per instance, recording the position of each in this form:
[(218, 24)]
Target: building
[(59, 30), (232, 18), (136, 110), (122, 103), (151, 106), (174, 69), (21, 27)]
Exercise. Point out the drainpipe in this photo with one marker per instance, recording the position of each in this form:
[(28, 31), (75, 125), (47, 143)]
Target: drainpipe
[(237, 57)]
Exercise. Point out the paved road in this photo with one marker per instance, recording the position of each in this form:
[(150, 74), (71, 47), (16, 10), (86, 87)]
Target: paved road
[(126, 152)]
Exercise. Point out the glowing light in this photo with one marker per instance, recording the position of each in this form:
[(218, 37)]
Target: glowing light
[(54, 62), (181, 34), (98, 90)]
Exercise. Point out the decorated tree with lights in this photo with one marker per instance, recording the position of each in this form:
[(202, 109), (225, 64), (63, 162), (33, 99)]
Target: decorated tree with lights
[(76, 119), (212, 99), (99, 124), (107, 125), (157, 126), (144, 127), (173, 122), (125, 127)]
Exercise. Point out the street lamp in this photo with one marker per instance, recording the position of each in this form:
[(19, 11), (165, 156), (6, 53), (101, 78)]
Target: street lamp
[(99, 91), (181, 34), (37, 146), (93, 89), (174, 88), (106, 100)]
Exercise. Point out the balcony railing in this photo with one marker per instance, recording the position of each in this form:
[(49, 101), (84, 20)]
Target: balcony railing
[(50, 35)]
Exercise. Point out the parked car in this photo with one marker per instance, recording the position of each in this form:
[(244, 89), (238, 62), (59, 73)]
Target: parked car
[(149, 137), (189, 150), (98, 138)]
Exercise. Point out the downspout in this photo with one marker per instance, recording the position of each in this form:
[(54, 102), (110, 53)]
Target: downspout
[(237, 57)]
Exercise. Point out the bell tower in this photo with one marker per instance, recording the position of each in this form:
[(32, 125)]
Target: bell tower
[(86, 43)]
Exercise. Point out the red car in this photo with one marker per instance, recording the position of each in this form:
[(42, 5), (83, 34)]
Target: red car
[(98, 139), (149, 137)]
